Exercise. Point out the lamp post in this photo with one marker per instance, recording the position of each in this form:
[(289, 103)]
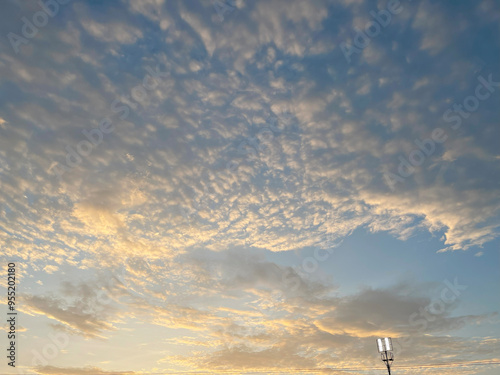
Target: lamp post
[(385, 349)]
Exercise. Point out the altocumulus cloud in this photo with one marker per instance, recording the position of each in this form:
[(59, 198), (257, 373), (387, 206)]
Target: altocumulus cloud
[(321, 175)]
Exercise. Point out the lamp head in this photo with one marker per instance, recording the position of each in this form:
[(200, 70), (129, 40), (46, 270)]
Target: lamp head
[(388, 344), (384, 345)]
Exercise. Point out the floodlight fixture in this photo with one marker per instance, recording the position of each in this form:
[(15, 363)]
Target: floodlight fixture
[(384, 345), (385, 348), (380, 345), (388, 344)]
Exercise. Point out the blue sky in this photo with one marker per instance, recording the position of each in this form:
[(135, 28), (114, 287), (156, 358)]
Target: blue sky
[(251, 186)]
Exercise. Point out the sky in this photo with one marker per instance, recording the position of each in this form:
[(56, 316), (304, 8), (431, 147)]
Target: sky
[(250, 187)]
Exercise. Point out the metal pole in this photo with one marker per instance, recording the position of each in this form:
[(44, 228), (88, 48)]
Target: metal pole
[(385, 348), (387, 362)]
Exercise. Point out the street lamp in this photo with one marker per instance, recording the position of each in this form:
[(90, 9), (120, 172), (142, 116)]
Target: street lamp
[(385, 349)]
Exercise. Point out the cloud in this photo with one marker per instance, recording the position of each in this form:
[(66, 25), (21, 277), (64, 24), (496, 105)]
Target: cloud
[(79, 311), (52, 370), (156, 213), (430, 21), (311, 327)]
